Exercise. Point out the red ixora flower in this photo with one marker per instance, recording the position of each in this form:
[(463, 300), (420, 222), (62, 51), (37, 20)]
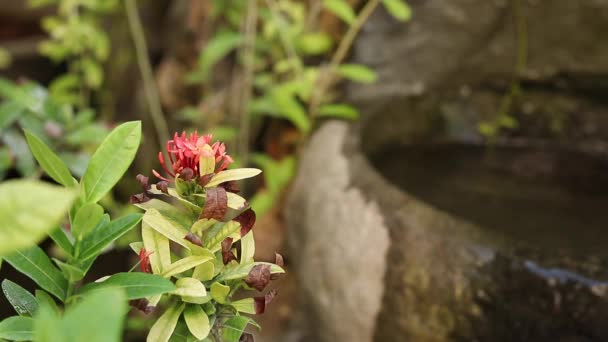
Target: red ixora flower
[(185, 151)]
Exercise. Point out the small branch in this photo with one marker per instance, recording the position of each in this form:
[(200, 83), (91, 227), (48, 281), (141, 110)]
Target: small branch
[(248, 66), (145, 68), (326, 78)]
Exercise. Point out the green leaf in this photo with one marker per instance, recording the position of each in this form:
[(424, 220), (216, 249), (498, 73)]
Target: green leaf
[(288, 106), (45, 299), (204, 271), (232, 175), (185, 264), (174, 232), (22, 301), (24, 162), (247, 248), (163, 328), (9, 112), (340, 111), (219, 292), (49, 161), (197, 321), (357, 73), (157, 243), (234, 328), (218, 47), (246, 305), (241, 271), (71, 273), (341, 9), (28, 211), (398, 9), (86, 219), (37, 266), (313, 44), (102, 236), (17, 328), (135, 285), (215, 238), (111, 160), (189, 287), (59, 237), (98, 317)]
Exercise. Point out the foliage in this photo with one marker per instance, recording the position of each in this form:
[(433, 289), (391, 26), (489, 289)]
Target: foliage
[(31, 210), (29, 106), (295, 66), (77, 38), (203, 215)]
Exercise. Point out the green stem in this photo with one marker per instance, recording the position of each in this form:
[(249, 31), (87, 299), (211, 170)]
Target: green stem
[(327, 77), (145, 68)]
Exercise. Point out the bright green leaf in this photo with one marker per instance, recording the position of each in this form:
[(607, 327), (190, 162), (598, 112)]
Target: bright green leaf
[(340, 111), (398, 9), (95, 242), (341, 9), (17, 328), (219, 292), (111, 160), (197, 321), (28, 211), (234, 328), (288, 106), (71, 273), (357, 73), (22, 301), (204, 271), (217, 48), (86, 219), (185, 264), (313, 44), (37, 266), (59, 237), (246, 305), (135, 285), (215, 238), (189, 287), (162, 330), (247, 248), (45, 299), (155, 220), (231, 175), (49, 161), (157, 243)]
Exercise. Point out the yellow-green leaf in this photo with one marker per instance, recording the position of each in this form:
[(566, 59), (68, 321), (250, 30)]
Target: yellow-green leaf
[(219, 292), (173, 231), (157, 243), (163, 328), (185, 264), (189, 287), (197, 321), (398, 9), (231, 175)]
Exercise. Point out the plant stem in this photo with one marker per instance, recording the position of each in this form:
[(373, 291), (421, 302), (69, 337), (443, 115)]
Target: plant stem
[(326, 78), (248, 61), (145, 68)]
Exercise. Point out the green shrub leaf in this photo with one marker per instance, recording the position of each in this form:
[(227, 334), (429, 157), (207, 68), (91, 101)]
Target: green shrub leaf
[(189, 287), (34, 263), (398, 9), (357, 73), (185, 264), (341, 9), (28, 211), (157, 243), (241, 271), (135, 285), (163, 328), (219, 292), (232, 175), (22, 301), (197, 321), (111, 160), (340, 111), (17, 328), (49, 161), (234, 328), (86, 219), (169, 228), (102, 236)]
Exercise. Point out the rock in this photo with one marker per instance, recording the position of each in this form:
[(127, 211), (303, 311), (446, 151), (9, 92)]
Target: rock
[(406, 226)]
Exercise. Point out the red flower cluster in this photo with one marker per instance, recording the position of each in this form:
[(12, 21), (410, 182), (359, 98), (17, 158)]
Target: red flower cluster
[(185, 152)]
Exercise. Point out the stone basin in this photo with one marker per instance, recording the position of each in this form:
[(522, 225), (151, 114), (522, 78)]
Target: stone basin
[(397, 238)]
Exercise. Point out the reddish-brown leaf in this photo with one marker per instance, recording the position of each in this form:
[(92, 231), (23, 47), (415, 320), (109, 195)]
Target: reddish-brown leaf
[(258, 277), (227, 254), (205, 179), (247, 220), (139, 198), (246, 337), (194, 239), (163, 187), (143, 181), (260, 303), (231, 186), (142, 305), (216, 204)]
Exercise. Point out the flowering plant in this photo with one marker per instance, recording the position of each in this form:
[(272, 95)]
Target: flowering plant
[(196, 251), (196, 208)]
